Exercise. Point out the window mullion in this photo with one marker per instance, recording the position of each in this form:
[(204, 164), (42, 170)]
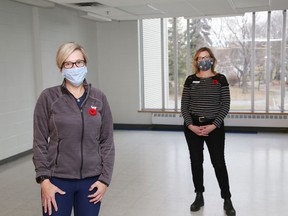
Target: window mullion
[(175, 42), (253, 64), (268, 54), (163, 66), (283, 57), (141, 63), (188, 57)]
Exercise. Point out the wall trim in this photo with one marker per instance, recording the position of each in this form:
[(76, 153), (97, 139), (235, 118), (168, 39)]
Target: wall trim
[(229, 129)]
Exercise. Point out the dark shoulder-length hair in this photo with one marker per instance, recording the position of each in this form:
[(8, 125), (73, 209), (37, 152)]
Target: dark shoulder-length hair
[(195, 58)]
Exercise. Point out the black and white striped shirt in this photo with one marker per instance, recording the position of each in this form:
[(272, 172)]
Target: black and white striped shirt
[(208, 97)]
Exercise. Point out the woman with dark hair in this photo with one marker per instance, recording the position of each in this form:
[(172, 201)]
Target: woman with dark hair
[(205, 103)]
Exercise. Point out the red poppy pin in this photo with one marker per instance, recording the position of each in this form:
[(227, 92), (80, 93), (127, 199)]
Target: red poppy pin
[(214, 82), (93, 110)]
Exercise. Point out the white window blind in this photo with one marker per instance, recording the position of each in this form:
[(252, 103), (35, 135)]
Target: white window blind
[(152, 64)]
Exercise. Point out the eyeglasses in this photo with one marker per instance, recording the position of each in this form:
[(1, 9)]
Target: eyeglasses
[(204, 58), (78, 63)]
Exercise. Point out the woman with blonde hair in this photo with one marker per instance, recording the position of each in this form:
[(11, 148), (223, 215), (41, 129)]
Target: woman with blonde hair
[(73, 147)]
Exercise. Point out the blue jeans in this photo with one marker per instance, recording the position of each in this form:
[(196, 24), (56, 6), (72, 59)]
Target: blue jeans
[(215, 143), (77, 191)]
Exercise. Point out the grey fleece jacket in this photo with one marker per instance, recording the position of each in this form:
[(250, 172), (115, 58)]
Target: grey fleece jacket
[(70, 142)]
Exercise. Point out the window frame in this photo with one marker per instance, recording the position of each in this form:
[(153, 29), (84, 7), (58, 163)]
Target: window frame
[(188, 65)]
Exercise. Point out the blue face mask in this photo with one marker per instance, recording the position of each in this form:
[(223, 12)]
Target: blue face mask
[(205, 65), (75, 75)]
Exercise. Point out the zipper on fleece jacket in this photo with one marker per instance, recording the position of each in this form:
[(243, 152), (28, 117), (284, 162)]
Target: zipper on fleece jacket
[(82, 137)]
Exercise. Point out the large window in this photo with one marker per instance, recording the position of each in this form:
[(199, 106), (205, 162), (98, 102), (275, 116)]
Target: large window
[(251, 50)]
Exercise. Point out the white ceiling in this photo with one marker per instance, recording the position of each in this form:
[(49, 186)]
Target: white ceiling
[(106, 10)]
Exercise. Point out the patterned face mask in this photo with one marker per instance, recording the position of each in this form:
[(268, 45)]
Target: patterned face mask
[(205, 65)]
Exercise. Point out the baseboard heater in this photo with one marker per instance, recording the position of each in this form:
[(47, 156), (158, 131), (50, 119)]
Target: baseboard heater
[(232, 119)]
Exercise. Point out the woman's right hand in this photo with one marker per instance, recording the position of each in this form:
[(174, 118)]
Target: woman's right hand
[(48, 191)]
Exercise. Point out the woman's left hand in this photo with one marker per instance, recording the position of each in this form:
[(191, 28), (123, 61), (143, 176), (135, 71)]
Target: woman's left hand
[(206, 129), (99, 194)]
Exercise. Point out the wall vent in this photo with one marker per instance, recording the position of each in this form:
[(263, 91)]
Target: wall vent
[(88, 4), (167, 118), (257, 120), (256, 116), (232, 119)]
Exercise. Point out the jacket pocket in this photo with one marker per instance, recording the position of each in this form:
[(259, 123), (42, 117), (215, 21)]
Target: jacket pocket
[(58, 152)]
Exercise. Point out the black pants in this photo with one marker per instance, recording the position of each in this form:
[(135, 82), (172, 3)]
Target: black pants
[(215, 143)]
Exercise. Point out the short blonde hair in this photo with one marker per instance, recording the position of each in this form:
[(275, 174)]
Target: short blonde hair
[(65, 50)]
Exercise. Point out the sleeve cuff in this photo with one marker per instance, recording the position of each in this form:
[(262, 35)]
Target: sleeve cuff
[(104, 183)]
